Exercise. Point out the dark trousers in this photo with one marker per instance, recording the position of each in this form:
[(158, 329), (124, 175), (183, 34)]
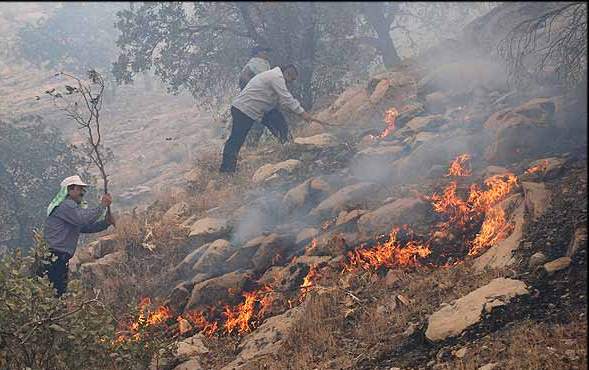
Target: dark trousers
[(242, 124), (57, 271)]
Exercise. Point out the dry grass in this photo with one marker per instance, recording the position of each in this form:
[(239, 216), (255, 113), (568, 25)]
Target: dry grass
[(530, 345), (426, 289), (152, 246), (315, 341)]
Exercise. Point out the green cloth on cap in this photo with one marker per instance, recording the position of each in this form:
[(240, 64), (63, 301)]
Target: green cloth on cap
[(57, 199), (61, 196)]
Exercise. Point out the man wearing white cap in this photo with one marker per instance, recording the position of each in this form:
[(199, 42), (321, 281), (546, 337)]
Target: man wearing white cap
[(67, 217)]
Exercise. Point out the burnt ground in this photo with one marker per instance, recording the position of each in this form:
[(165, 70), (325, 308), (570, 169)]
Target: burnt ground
[(556, 300)]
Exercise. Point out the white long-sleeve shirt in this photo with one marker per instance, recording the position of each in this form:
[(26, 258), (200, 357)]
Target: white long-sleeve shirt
[(264, 92)]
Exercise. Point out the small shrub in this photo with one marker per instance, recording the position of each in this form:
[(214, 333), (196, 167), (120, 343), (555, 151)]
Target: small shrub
[(40, 331)]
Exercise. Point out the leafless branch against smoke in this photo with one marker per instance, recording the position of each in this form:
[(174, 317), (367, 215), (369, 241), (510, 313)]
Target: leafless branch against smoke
[(89, 95), (556, 39)]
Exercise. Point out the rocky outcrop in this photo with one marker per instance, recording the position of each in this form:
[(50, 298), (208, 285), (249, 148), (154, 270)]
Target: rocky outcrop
[(97, 271), (453, 319), (213, 291), (321, 141), (307, 194), (213, 257), (209, 228), (537, 198), (348, 196), (520, 131), (269, 171), (397, 213)]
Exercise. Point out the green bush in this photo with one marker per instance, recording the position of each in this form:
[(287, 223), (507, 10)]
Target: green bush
[(40, 331)]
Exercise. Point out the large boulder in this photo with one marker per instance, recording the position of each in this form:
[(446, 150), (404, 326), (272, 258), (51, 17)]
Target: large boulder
[(185, 266), (348, 197), (441, 151), (178, 297), (269, 170), (381, 154), (271, 250), (97, 271), (423, 123), (537, 198), (397, 213), (212, 259), (521, 131), (347, 106), (453, 319), (209, 228), (321, 141), (215, 290), (192, 346), (309, 193)]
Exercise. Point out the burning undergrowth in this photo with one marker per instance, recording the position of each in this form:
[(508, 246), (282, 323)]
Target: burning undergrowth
[(469, 220)]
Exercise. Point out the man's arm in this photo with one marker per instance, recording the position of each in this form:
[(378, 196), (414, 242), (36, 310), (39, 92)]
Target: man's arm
[(285, 98), (77, 216), (95, 227)]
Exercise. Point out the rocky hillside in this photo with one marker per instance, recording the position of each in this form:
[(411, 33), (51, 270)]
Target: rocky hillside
[(438, 221)]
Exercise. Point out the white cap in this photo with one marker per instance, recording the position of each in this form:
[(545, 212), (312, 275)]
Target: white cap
[(73, 180)]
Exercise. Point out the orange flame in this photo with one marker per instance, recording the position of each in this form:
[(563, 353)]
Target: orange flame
[(390, 118), (308, 282), (389, 254), (494, 229), (540, 167), (456, 167), (244, 318), (198, 319)]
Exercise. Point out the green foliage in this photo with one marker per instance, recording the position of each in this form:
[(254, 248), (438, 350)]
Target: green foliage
[(33, 161), (76, 37), (201, 47), (40, 331)]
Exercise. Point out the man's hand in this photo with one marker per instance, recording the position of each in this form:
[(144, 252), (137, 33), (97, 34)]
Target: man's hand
[(110, 219), (106, 200), (307, 117)]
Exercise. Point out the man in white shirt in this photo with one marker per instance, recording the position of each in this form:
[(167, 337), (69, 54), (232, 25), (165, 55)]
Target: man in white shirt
[(257, 103)]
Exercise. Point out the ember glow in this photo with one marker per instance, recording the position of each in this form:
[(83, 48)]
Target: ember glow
[(390, 118), (459, 167), (308, 282), (540, 167), (145, 318)]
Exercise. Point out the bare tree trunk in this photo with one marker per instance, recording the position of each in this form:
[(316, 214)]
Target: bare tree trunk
[(374, 13), (309, 44)]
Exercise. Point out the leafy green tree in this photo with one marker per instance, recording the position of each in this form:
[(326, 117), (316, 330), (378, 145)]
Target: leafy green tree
[(33, 160), (201, 47)]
